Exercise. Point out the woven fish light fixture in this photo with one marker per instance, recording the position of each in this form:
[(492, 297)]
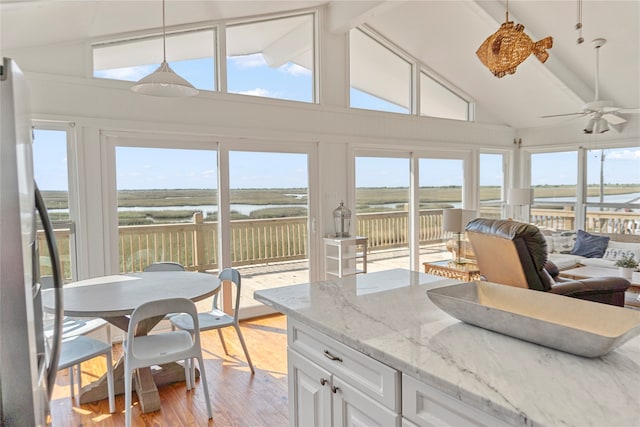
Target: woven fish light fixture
[(508, 47)]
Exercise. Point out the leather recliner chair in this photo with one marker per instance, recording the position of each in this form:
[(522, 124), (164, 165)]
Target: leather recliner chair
[(513, 253)]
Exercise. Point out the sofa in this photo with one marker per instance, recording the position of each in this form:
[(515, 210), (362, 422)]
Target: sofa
[(570, 249)]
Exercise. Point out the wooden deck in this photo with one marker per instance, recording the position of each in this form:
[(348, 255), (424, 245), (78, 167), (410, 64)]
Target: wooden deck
[(289, 273)]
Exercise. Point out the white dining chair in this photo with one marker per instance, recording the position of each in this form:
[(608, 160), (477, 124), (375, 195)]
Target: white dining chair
[(163, 347), (80, 348), (216, 318), (164, 266), (77, 348)]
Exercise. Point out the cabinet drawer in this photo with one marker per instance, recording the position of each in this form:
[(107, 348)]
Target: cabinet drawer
[(374, 379), (428, 407)]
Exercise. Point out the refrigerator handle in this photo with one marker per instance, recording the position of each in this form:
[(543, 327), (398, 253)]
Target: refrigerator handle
[(52, 369)]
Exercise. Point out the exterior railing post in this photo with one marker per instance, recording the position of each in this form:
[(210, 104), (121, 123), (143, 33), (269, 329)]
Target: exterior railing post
[(198, 241)]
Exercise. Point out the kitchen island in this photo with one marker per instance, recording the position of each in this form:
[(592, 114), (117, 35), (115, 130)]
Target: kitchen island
[(374, 348)]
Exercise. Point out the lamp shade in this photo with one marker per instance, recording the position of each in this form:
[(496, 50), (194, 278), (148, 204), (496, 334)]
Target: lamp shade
[(520, 196), (164, 82), (455, 220)]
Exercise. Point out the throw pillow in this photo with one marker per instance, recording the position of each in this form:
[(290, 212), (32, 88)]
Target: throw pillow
[(590, 245), (564, 241), (617, 250)]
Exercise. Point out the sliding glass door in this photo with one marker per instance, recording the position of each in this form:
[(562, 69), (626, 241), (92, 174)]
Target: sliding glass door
[(269, 215), (400, 202), (440, 186), (382, 210), (51, 171), (167, 207)]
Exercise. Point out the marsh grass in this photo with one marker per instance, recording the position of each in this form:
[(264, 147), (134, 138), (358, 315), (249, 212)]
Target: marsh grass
[(366, 199)]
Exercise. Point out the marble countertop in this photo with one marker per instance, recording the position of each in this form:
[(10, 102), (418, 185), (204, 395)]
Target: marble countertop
[(388, 316)]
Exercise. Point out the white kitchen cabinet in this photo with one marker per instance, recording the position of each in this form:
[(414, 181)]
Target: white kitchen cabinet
[(407, 423), (425, 406), (309, 392), (352, 408), (345, 256), (333, 385)]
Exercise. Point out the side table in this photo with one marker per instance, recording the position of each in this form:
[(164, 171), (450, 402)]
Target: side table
[(466, 272), (343, 254)]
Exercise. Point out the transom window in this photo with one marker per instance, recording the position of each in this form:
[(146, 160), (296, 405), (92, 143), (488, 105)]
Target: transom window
[(379, 78), (273, 59), (437, 100), (191, 54)]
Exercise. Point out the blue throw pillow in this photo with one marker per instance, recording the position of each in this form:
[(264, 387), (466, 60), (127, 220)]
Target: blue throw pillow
[(589, 245)]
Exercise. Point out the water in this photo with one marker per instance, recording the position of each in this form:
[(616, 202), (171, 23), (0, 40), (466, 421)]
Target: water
[(246, 209), (243, 209), (633, 198)]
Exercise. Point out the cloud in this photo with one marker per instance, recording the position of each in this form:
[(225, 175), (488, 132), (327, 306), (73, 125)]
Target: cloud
[(257, 92), (130, 73), (623, 155), (295, 70), (249, 61)]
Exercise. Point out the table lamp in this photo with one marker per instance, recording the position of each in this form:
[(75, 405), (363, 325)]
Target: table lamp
[(519, 197), (455, 221)]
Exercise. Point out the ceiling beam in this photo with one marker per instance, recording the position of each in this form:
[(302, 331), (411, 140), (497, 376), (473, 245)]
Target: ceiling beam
[(345, 15)]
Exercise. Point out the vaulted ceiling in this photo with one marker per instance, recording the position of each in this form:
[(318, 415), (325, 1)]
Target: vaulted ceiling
[(444, 35)]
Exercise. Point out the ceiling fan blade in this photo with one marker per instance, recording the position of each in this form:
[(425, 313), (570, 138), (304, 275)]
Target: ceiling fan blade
[(628, 110), (613, 119), (562, 115)]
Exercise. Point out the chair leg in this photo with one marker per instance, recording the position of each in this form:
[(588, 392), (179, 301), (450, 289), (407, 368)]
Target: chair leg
[(108, 327), (112, 403), (192, 367), (127, 396), (71, 380), (205, 386), (187, 373), (224, 346), (244, 347), (192, 373), (79, 380)]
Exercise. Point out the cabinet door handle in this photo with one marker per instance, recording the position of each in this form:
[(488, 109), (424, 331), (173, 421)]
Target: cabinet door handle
[(328, 355), (323, 381), (334, 389)]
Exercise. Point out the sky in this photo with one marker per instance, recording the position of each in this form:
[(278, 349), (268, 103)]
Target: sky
[(145, 168), (149, 168)]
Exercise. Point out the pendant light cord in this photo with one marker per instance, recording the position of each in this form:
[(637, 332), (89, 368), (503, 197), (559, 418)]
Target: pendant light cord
[(597, 72), (164, 36), (507, 13)]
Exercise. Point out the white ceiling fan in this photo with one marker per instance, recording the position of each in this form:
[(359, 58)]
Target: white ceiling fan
[(601, 113)]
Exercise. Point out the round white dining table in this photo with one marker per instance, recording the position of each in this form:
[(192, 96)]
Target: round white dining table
[(114, 298)]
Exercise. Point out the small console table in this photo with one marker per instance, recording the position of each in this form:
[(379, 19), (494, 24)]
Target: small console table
[(345, 256)]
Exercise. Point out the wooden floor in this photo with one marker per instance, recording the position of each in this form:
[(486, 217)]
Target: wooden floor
[(238, 398)]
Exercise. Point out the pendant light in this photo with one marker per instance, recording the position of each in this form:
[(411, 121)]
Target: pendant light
[(164, 81)]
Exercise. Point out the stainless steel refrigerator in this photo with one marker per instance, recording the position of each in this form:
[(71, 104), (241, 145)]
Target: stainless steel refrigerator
[(27, 365)]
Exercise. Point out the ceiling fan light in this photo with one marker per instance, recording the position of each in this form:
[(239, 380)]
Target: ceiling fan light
[(601, 126), (590, 125)]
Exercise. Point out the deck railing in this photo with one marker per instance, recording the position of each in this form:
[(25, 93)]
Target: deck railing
[(261, 241)]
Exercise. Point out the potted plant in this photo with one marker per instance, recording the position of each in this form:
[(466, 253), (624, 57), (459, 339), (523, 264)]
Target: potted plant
[(626, 265)]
